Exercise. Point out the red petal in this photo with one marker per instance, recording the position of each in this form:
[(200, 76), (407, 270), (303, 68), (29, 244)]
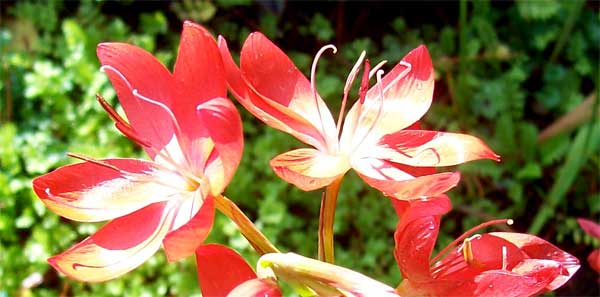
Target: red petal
[(590, 227), (414, 242), (256, 288), (504, 283), (223, 125), (431, 148), (406, 99), (199, 78), (118, 247), (270, 72), (132, 68), (221, 269), (537, 248), (392, 181), (183, 241), (309, 169), (487, 254), (110, 192), (273, 114), (594, 260)]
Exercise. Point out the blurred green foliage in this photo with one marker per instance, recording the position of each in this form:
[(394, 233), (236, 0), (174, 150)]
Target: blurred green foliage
[(503, 74)]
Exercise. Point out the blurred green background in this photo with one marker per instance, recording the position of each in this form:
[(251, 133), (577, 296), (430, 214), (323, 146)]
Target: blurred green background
[(505, 72)]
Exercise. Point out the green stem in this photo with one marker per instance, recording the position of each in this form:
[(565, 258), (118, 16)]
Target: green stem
[(326, 218), (259, 241)]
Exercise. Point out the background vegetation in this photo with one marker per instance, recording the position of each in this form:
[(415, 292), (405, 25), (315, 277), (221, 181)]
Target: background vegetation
[(505, 71)]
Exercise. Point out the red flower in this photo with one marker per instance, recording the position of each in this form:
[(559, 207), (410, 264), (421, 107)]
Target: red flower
[(491, 264), (225, 273), (193, 135), (592, 229), (376, 139)]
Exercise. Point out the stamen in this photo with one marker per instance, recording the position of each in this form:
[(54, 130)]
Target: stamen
[(117, 72), (122, 125), (313, 87), (399, 76), (351, 77), (95, 161), (376, 68), (364, 83), (467, 234), (137, 94), (467, 249), (504, 257)]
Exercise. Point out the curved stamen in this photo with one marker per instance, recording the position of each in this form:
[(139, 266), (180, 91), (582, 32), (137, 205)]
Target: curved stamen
[(399, 76), (117, 72), (351, 77), (467, 234), (178, 130), (313, 70), (103, 68), (376, 68), (124, 127), (137, 94)]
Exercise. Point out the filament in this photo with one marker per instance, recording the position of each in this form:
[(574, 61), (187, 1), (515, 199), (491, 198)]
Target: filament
[(467, 234), (313, 87), (351, 77)]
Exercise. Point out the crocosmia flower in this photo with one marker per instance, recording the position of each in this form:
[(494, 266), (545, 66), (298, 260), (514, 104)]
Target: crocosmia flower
[(193, 136), (490, 264), (377, 139)]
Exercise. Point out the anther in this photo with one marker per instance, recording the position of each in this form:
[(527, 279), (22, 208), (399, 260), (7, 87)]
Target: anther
[(364, 83)]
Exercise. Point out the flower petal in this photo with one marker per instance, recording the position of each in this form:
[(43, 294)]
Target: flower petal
[(280, 115), (223, 125), (309, 169), (256, 288), (537, 248), (590, 227), (184, 240), (198, 71), (416, 235), (118, 247), (200, 79), (431, 148), (407, 95), (131, 68), (394, 182), (118, 187), (324, 278), (503, 283), (221, 269)]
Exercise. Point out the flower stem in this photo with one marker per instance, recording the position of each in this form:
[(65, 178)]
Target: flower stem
[(259, 241), (326, 218)]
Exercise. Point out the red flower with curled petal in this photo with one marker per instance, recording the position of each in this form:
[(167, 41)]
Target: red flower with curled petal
[(491, 264), (193, 135), (376, 139)]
